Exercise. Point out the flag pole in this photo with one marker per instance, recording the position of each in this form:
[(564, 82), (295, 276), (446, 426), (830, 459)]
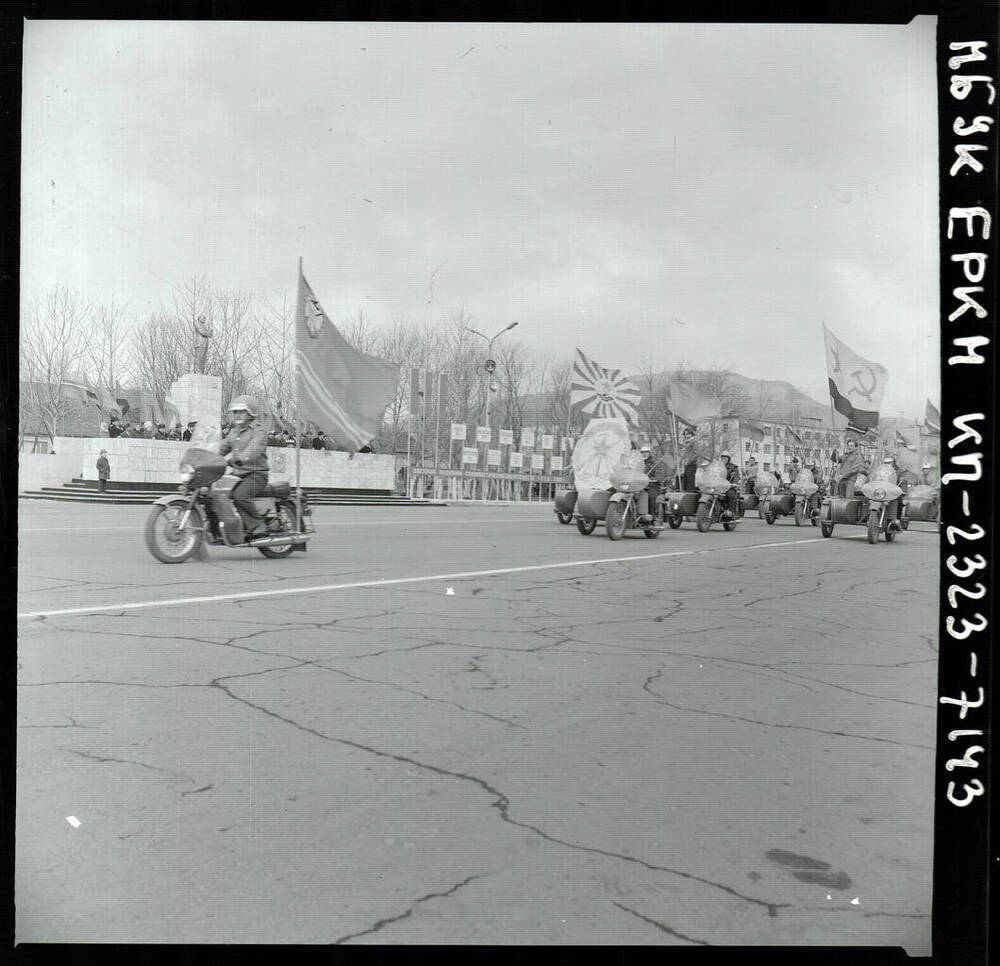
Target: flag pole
[(298, 426)]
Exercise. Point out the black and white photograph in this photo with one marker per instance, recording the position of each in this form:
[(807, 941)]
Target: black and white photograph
[(480, 483)]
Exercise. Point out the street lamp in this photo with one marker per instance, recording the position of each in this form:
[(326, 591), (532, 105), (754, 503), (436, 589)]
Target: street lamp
[(490, 365)]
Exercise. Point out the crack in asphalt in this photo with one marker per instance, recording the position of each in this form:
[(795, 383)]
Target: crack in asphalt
[(501, 803), (126, 761), (382, 923), (771, 724), (660, 925)]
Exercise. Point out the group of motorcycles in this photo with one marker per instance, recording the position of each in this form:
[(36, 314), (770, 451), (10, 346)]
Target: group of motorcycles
[(626, 506)]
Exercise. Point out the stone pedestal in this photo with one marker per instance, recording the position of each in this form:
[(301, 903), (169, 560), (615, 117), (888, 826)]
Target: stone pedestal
[(199, 397)]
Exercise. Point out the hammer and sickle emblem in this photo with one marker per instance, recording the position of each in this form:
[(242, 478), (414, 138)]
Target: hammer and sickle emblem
[(860, 388)]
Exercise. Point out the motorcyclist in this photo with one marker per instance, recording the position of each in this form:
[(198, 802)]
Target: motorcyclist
[(851, 464), (895, 506), (654, 469), (929, 475), (750, 480), (245, 449), (815, 499), (733, 493)]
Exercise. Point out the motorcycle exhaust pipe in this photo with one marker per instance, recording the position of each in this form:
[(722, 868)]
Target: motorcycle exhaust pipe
[(279, 541)]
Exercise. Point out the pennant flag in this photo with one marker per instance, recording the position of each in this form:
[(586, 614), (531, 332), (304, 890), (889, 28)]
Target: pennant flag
[(342, 390), (600, 392), (901, 440), (690, 405), (108, 402), (751, 430), (932, 420), (792, 435), (856, 385), (442, 400), (415, 392), (123, 405)]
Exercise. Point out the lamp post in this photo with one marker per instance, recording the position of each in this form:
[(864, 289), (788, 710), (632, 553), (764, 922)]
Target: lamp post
[(490, 365)]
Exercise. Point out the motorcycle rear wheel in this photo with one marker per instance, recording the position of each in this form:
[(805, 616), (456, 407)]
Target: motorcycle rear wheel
[(873, 526), (770, 517), (164, 541), (586, 525), (703, 518), (286, 514), (675, 521), (614, 521), (729, 525), (564, 518), (651, 534)]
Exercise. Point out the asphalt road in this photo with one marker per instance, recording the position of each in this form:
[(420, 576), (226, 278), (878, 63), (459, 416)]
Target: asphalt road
[(474, 725)]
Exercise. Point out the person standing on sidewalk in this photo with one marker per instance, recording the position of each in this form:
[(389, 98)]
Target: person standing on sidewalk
[(103, 471)]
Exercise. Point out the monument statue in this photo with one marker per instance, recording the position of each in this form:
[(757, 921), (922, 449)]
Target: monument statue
[(203, 334)]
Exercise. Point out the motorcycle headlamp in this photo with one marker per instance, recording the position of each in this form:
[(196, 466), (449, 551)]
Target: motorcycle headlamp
[(187, 471), (878, 493)]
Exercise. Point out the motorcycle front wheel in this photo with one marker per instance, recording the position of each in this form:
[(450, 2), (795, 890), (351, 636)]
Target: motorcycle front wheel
[(614, 522), (800, 514), (163, 538), (286, 514), (873, 526), (703, 518)]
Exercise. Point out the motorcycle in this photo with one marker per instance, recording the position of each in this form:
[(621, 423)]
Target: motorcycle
[(880, 490), (713, 486), (771, 502), (628, 502), (806, 489), (564, 503), (202, 510)]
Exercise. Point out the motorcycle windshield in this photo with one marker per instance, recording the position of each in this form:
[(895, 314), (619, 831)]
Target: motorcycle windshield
[(712, 477), (805, 476), (922, 492), (196, 457), (766, 482), (627, 479), (883, 474)]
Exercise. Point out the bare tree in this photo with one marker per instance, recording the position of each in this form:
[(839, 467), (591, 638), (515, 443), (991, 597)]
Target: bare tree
[(161, 353), (55, 345)]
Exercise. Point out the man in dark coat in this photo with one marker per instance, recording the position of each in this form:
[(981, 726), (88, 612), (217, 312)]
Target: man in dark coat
[(103, 471), (245, 448)]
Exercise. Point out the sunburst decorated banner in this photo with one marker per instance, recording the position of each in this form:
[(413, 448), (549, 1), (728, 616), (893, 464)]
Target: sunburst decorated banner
[(602, 393)]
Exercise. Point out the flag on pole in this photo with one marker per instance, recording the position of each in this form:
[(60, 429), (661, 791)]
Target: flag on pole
[(856, 385), (340, 389), (690, 405), (442, 397), (600, 392), (171, 414), (751, 430), (901, 440), (792, 435), (415, 392), (932, 420)]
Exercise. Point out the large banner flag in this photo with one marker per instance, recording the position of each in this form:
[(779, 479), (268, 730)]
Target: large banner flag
[(751, 430), (690, 405), (600, 392), (901, 440), (598, 451), (856, 385), (341, 390), (932, 420)]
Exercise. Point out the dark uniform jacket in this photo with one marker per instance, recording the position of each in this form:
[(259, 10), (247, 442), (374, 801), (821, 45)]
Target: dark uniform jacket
[(249, 443), (103, 468)]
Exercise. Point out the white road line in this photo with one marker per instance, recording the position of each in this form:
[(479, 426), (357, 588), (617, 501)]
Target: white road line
[(322, 523), (326, 588)]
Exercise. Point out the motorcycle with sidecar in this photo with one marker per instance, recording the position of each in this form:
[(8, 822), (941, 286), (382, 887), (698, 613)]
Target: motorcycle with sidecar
[(712, 507), (629, 506), (922, 503), (772, 501), (565, 502), (870, 509)]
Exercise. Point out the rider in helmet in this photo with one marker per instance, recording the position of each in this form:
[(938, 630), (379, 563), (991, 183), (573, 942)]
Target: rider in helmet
[(732, 476), (895, 506), (245, 449), (814, 500)]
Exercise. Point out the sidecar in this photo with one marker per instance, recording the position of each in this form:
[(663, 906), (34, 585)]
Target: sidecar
[(851, 510), (591, 507), (679, 506), (565, 501), (923, 503), (774, 505)]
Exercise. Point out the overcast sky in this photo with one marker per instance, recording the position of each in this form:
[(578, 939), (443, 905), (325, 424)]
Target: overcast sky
[(706, 193)]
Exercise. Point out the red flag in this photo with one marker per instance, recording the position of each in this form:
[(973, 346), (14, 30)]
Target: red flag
[(932, 420), (343, 391)]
